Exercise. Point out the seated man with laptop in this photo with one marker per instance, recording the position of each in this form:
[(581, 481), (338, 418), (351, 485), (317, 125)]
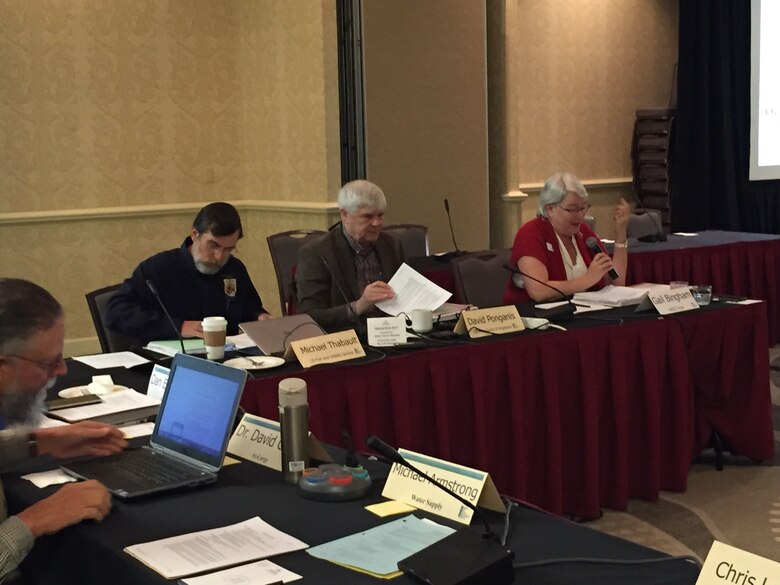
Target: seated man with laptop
[(32, 334), (202, 278), (342, 275)]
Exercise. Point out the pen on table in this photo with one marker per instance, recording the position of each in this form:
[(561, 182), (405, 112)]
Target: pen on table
[(581, 305)]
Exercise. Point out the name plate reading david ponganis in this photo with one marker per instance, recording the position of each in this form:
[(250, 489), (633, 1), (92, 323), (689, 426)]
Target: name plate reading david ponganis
[(328, 349), (492, 321), (668, 301), (727, 565), (259, 440), (474, 486)]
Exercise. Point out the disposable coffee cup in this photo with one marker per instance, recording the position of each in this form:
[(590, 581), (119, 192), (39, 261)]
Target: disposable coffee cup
[(422, 320), (214, 331)]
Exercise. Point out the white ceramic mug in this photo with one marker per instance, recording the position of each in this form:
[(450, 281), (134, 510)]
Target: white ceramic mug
[(422, 320)]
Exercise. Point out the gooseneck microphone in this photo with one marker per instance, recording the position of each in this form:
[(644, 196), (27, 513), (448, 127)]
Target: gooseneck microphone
[(345, 298), (458, 251), (462, 557), (561, 313), (156, 294), (659, 235), (594, 246)]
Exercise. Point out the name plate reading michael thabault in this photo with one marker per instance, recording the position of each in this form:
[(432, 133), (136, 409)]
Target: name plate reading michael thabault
[(727, 565), (668, 300), (328, 349), (474, 486), (259, 440), (492, 321)]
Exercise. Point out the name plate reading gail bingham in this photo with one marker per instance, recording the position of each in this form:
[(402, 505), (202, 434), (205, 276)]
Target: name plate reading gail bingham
[(328, 349), (492, 321), (474, 486), (668, 301)]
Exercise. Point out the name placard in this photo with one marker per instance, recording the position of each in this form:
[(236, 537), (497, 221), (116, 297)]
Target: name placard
[(404, 485), (259, 440), (727, 565), (386, 331), (157, 382), (492, 321), (328, 349), (668, 300)]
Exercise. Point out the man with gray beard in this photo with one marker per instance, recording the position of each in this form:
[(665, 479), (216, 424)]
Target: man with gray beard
[(32, 334), (202, 278)]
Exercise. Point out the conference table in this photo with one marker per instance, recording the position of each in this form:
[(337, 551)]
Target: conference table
[(92, 553), (616, 407), (735, 263)]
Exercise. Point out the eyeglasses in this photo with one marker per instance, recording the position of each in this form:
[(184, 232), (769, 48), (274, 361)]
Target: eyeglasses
[(49, 367), (575, 210), (219, 249)]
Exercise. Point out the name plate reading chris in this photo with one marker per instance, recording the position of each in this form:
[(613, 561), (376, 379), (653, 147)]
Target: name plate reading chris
[(668, 300), (259, 440), (386, 331), (492, 321), (328, 349), (726, 565), (404, 485)]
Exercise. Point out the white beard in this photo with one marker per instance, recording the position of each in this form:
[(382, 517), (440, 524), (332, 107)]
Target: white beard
[(20, 408)]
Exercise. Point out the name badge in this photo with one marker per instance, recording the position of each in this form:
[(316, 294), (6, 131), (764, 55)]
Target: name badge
[(726, 564), (157, 382), (404, 485), (492, 321), (259, 440), (328, 349), (668, 300), (386, 331)]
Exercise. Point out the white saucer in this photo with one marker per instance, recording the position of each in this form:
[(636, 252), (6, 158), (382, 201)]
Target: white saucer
[(84, 391), (261, 362)]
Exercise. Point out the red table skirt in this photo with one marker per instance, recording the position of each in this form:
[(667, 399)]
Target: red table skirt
[(570, 421)]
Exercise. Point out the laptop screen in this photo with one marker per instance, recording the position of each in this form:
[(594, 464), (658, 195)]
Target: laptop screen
[(198, 409)]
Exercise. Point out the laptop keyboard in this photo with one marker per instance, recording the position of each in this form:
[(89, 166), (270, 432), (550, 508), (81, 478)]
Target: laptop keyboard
[(144, 466)]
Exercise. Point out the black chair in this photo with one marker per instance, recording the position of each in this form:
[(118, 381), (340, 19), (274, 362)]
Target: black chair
[(110, 341), (413, 238), (480, 277), (284, 255)]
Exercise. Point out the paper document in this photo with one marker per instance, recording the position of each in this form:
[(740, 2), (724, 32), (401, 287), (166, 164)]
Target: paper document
[(412, 291), (46, 478), (117, 359), (259, 573), (207, 550), (119, 401), (377, 551), (611, 296), (240, 341)]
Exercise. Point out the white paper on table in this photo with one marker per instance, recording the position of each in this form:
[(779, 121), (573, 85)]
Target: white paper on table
[(117, 359), (686, 234), (138, 430), (119, 401), (207, 550), (240, 341), (47, 478), (259, 573), (412, 291)]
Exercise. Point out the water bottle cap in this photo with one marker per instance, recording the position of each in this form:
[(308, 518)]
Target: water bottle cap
[(292, 392)]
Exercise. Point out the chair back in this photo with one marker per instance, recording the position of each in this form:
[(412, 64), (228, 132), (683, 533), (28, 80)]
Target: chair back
[(284, 255), (480, 277), (642, 224), (413, 238), (110, 341)]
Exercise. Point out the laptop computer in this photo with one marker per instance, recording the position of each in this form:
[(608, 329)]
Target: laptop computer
[(273, 336), (190, 435)]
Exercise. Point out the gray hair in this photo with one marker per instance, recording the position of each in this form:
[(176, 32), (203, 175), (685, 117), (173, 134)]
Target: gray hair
[(361, 193), (555, 189), (25, 309)]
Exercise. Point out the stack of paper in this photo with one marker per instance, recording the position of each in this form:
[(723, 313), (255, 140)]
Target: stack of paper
[(611, 296), (120, 407)]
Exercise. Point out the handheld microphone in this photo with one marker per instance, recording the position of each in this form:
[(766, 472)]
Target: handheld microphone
[(659, 235), (461, 557), (593, 245), (458, 251), (345, 298), (562, 313), (156, 294)]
